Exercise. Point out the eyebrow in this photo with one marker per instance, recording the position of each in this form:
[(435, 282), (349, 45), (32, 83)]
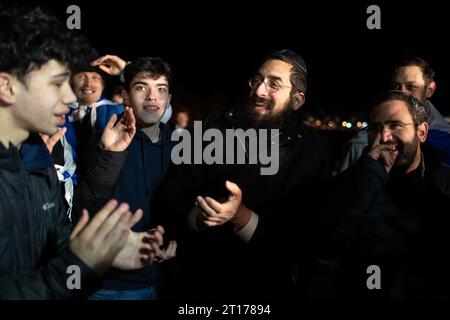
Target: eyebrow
[(139, 82), (407, 82), (275, 78), (387, 121), (64, 74), (271, 77), (146, 84), (412, 82)]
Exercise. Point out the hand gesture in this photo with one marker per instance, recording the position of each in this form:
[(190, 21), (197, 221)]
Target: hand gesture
[(162, 254), (98, 242), (112, 65), (214, 213), (137, 252), (386, 153), (169, 252), (117, 136), (50, 141)]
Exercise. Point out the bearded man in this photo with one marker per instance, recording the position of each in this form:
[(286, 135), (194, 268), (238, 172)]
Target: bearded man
[(386, 217), (244, 234)]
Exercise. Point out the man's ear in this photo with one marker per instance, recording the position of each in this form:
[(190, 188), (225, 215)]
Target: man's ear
[(7, 96), (298, 100), (430, 89), (422, 131)]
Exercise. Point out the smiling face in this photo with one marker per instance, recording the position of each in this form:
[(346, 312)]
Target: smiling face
[(272, 98), (397, 128), (410, 80), (88, 87), (265, 102), (41, 104), (148, 97)]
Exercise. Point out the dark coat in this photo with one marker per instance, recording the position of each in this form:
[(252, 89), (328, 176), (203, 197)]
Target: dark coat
[(397, 221), (133, 177), (217, 263), (34, 228)]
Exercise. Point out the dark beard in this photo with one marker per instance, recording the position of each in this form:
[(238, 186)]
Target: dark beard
[(407, 153), (253, 120)]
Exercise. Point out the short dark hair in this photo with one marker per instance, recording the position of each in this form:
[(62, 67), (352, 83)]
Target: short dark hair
[(157, 67), (408, 60), (117, 90), (299, 71), (31, 37), (419, 112)]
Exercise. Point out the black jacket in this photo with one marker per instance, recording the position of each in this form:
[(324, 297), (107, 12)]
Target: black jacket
[(398, 222), (131, 176), (34, 228), (216, 263)]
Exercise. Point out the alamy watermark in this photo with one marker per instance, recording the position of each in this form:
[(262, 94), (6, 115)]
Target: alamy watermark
[(74, 279), (374, 20), (74, 20), (374, 280), (231, 146)]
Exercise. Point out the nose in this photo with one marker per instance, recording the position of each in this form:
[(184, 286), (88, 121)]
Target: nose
[(68, 96), (261, 90), (386, 134), (87, 81), (150, 95)]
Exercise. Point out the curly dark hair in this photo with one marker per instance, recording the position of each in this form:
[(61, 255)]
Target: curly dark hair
[(30, 37)]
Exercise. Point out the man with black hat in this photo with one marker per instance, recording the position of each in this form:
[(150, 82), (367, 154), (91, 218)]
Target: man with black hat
[(88, 84), (68, 145), (246, 234)]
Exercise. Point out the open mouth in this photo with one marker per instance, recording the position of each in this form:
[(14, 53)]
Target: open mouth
[(151, 108), (87, 91), (394, 147), (260, 106), (61, 117)]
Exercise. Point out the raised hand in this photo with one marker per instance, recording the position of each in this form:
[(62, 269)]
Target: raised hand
[(50, 141), (112, 65), (214, 213), (386, 153), (162, 254), (99, 241), (117, 136), (137, 253), (169, 252)]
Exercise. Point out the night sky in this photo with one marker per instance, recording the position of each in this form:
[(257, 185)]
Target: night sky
[(214, 48)]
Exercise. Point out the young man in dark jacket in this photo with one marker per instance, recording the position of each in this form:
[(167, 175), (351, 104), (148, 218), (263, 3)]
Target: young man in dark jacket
[(147, 84), (39, 250)]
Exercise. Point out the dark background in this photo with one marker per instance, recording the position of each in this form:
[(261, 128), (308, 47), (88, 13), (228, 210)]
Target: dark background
[(215, 46)]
